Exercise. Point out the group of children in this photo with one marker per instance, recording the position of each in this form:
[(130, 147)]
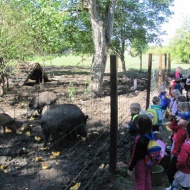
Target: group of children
[(177, 105)]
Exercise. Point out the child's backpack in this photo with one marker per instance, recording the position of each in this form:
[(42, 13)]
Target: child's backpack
[(154, 151), (152, 113)]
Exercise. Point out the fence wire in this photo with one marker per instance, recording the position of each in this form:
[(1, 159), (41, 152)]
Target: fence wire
[(82, 163)]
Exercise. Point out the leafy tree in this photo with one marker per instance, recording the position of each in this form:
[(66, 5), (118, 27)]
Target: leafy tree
[(138, 48), (46, 26), (140, 22), (31, 28), (49, 26), (133, 20), (12, 31), (78, 32), (180, 44)]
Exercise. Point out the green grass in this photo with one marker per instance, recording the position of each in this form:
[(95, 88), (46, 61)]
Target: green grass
[(69, 60), (131, 62)]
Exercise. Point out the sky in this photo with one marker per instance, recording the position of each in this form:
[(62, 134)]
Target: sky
[(181, 9)]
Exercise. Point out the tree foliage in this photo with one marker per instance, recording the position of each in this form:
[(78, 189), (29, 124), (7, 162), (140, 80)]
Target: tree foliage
[(30, 28), (180, 43), (135, 21), (12, 30), (46, 27)]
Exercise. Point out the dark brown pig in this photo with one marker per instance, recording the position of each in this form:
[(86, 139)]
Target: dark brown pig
[(9, 122), (39, 101), (67, 119)]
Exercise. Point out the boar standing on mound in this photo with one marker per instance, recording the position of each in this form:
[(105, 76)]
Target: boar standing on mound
[(63, 118), (9, 122), (39, 101)]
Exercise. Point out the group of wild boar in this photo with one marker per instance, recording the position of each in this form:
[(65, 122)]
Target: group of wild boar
[(57, 119)]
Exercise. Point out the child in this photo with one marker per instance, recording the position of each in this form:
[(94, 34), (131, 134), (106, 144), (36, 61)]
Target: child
[(164, 100), (157, 107), (181, 98), (182, 176), (135, 109), (173, 103), (141, 172), (178, 127), (187, 84), (178, 85), (175, 75), (188, 95)]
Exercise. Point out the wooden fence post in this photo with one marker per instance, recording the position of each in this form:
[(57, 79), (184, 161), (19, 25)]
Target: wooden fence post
[(114, 113), (165, 69), (149, 79), (160, 71), (169, 64)]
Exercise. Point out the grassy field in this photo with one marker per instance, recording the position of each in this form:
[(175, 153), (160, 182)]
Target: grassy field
[(131, 62)]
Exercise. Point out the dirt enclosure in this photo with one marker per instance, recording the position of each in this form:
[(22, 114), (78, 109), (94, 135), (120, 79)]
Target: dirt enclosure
[(82, 163)]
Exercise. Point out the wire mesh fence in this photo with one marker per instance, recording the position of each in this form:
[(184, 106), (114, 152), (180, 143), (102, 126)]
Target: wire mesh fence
[(69, 163)]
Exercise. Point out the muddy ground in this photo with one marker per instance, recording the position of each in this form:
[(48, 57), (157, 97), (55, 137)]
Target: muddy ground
[(81, 163)]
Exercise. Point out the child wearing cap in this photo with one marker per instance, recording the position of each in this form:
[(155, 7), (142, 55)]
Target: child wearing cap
[(178, 127), (182, 176)]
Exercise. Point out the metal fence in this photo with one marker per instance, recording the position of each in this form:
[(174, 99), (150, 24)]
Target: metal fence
[(77, 164)]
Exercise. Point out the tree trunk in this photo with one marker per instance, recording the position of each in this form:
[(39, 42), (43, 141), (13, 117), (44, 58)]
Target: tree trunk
[(99, 58), (140, 61), (123, 56), (101, 33)]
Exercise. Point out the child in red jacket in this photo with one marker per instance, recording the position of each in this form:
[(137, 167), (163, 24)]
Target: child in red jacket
[(182, 176), (178, 126)]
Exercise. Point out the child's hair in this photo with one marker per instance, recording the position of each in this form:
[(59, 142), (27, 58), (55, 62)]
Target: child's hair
[(135, 108), (188, 128), (181, 98), (178, 69), (162, 88), (157, 135), (156, 100), (144, 124), (176, 93), (183, 106)]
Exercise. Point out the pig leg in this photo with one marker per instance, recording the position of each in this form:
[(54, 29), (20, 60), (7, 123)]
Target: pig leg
[(40, 111), (55, 136), (4, 129), (74, 134), (12, 129), (46, 137)]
